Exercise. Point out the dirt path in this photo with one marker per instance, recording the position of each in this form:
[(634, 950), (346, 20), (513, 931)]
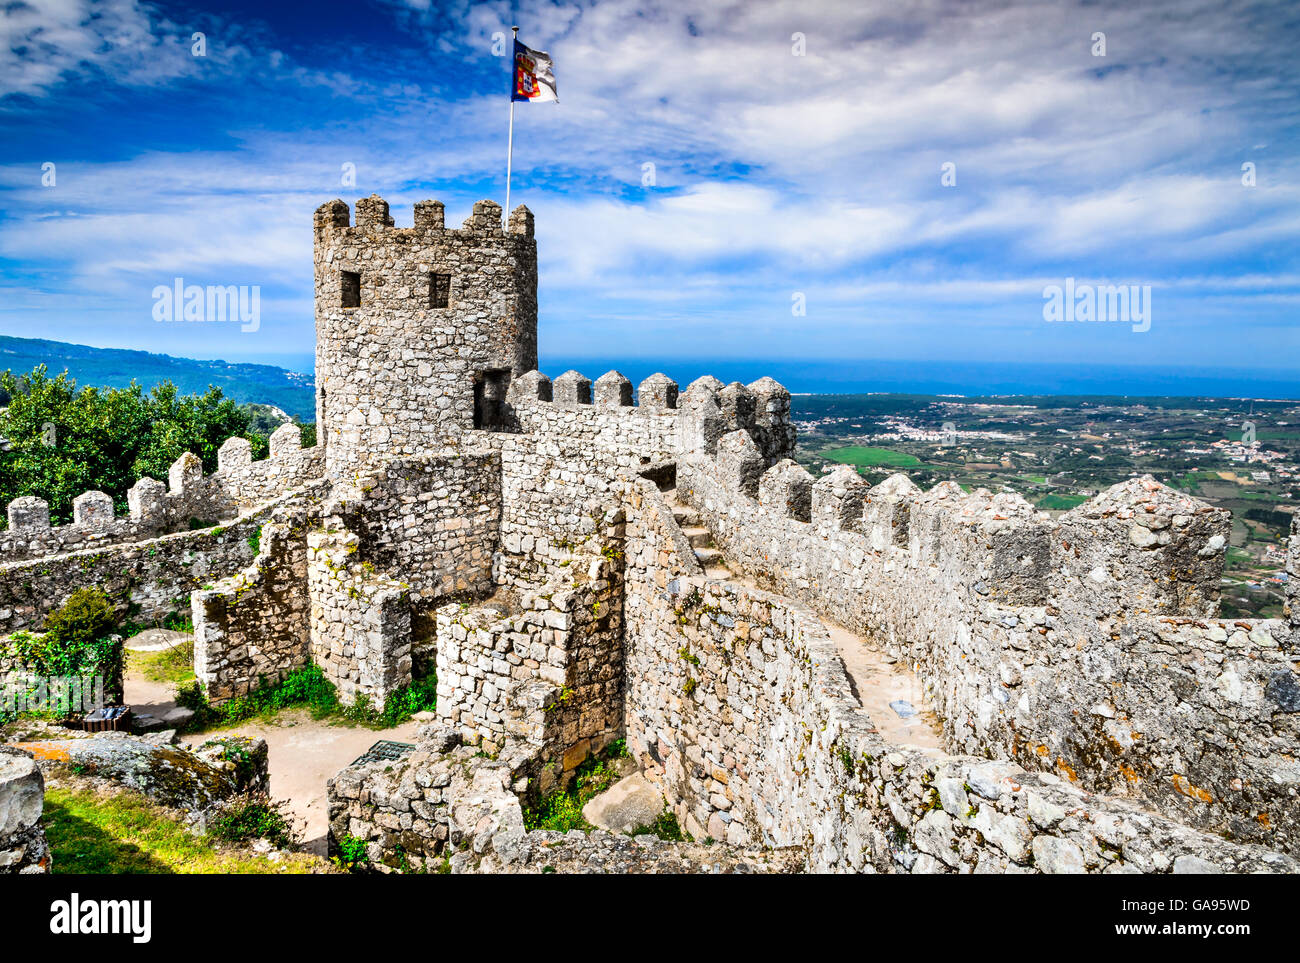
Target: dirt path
[(303, 753), (877, 683)]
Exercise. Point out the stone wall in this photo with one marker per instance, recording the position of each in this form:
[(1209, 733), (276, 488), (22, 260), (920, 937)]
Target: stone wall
[(445, 807), (432, 522), (146, 580), (360, 621), (605, 419), (567, 632), (739, 706), (396, 368), (1080, 648), (238, 485), (22, 799), (251, 629), (246, 483)]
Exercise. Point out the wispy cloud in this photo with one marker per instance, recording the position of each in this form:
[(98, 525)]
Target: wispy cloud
[(773, 173)]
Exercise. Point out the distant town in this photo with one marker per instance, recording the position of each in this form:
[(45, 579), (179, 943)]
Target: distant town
[(1241, 455)]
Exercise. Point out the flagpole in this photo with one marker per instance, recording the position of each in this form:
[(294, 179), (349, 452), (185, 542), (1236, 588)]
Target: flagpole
[(510, 142)]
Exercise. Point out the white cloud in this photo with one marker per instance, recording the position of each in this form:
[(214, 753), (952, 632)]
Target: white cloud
[(774, 172)]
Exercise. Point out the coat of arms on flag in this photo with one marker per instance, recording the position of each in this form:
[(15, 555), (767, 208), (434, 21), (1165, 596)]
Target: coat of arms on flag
[(534, 76)]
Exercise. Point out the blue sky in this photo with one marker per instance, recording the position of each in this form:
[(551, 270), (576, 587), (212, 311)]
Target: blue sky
[(774, 174)]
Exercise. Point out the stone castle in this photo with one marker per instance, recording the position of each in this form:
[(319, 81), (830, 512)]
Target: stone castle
[(584, 562)]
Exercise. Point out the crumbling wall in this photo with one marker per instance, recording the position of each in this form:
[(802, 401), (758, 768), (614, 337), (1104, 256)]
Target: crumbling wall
[(445, 807), (1121, 685), (251, 629), (431, 522), (567, 633), (189, 497), (146, 580), (360, 621)]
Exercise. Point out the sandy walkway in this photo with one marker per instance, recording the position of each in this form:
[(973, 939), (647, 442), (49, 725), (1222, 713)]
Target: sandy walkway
[(877, 683), (303, 752)]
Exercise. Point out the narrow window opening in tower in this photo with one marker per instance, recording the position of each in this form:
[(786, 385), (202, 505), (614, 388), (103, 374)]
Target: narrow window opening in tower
[(489, 398), (350, 285), (439, 290)]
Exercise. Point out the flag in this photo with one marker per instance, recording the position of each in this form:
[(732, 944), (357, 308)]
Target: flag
[(534, 76)]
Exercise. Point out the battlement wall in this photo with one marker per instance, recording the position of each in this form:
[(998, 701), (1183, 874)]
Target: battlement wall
[(400, 539), (239, 484), (602, 414), (739, 707), (146, 580), (418, 330), (1123, 683)]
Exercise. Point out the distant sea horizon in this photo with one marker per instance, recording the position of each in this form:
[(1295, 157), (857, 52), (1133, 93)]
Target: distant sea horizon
[(970, 378)]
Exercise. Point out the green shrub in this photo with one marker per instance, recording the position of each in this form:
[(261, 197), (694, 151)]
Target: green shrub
[(77, 641), (302, 687), (561, 810), (252, 820), (190, 695), (309, 688), (665, 827), (179, 622), (352, 852), (420, 696)]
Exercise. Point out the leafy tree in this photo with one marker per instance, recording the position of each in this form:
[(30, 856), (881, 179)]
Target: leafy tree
[(64, 440)]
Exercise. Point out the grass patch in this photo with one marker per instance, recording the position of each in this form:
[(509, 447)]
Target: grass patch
[(869, 457), (1060, 503), (308, 688), (252, 820), (171, 665), (124, 833), (665, 827), (561, 810)]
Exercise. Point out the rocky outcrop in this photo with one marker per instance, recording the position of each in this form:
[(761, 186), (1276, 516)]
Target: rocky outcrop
[(196, 782), (22, 798)]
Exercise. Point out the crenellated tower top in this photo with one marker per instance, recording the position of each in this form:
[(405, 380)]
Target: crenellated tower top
[(419, 330)]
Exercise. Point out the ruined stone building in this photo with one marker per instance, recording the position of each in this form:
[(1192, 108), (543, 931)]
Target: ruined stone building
[(585, 561)]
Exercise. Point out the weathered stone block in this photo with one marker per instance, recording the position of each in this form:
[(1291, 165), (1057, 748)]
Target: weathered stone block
[(657, 391), (572, 389), (29, 513), (92, 510), (786, 488), (613, 390), (740, 463), (838, 498)]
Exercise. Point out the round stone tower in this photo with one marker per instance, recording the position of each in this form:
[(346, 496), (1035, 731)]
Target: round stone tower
[(418, 330)]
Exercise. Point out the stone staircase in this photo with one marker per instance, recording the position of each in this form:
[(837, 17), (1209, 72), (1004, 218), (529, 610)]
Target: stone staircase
[(688, 520)]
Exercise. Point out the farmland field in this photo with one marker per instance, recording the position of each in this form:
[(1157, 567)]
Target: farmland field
[(871, 457)]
